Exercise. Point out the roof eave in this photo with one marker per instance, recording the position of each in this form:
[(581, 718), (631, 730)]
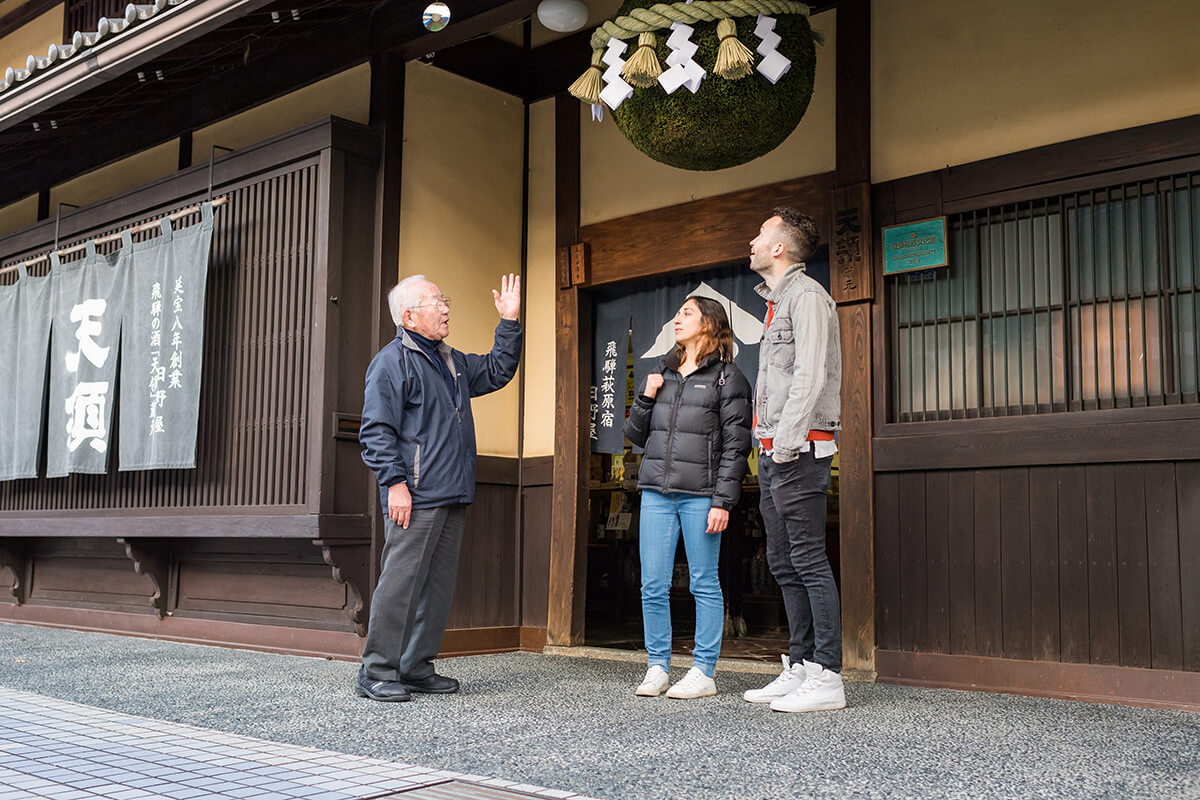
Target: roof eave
[(131, 49)]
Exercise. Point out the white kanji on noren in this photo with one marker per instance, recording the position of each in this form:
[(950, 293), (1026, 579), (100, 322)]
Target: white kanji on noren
[(86, 415), (87, 314)]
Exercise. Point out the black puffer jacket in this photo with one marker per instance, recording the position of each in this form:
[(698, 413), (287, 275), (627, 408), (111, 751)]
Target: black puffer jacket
[(696, 432)]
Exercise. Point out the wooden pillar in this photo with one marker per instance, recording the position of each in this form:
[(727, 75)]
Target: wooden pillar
[(569, 516), (852, 282), (387, 120)]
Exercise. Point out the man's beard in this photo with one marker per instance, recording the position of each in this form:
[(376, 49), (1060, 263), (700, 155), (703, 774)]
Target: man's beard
[(759, 266)]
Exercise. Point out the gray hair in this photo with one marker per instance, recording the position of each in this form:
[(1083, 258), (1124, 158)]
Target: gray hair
[(403, 296)]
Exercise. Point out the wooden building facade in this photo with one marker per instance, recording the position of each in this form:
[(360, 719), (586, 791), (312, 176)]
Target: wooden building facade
[(1020, 465)]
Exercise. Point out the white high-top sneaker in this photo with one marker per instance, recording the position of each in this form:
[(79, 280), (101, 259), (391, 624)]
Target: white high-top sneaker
[(789, 680), (822, 690), (694, 684), (655, 682)]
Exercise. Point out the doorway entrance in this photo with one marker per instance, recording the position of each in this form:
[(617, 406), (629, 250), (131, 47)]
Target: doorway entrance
[(755, 621)]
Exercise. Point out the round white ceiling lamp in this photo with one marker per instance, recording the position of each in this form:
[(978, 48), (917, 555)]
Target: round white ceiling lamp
[(564, 16)]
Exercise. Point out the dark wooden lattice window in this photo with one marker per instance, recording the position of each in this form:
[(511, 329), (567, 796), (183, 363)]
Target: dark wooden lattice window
[(1080, 301)]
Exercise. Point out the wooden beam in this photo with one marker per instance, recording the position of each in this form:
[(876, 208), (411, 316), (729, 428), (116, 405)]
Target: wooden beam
[(557, 64), (490, 61), (387, 120), (185, 150), (568, 530), (475, 18), (855, 469), (702, 233), (1093, 683)]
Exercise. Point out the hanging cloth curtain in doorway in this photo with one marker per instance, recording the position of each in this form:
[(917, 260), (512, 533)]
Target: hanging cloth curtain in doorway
[(654, 311), (162, 346), (85, 334), (24, 339)]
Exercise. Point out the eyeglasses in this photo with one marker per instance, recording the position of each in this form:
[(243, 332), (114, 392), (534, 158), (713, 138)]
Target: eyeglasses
[(443, 304)]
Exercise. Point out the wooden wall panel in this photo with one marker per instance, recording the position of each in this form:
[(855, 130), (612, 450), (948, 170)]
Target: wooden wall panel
[(1188, 493), (1073, 565), (261, 591), (68, 579), (1043, 563), (989, 632), (960, 514), (887, 561), (1133, 587), (1016, 612), (1089, 564), (914, 591), (535, 569), (486, 591), (1103, 614), (937, 555), (1162, 556)]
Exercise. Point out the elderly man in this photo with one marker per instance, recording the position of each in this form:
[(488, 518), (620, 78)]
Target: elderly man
[(797, 409), (418, 437)]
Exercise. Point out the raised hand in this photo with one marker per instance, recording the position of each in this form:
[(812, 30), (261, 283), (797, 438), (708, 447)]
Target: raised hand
[(508, 299), (654, 382)]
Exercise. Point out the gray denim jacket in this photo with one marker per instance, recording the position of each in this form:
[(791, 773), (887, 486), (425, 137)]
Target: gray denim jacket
[(799, 365)]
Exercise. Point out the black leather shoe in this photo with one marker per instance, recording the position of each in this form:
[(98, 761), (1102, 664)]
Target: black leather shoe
[(385, 691), (434, 684)]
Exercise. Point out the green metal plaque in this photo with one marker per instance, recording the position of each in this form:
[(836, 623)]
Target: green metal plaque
[(914, 245)]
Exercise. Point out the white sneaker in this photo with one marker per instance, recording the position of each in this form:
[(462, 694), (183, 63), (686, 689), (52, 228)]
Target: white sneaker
[(694, 684), (822, 690), (789, 680), (655, 682)]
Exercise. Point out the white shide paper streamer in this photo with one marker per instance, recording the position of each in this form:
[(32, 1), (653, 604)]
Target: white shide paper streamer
[(774, 65)]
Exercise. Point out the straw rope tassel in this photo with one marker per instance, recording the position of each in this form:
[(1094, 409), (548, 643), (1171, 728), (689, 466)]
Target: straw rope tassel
[(642, 69), (587, 87), (734, 59)]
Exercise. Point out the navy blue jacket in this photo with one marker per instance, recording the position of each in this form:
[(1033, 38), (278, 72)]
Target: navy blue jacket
[(414, 431)]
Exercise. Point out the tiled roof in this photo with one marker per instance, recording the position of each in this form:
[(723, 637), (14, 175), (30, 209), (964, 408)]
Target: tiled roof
[(107, 30)]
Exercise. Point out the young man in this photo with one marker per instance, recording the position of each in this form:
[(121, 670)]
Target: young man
[(797, 407)]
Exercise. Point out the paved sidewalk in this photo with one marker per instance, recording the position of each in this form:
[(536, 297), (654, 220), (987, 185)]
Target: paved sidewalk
[(573, 725), (59, 750)]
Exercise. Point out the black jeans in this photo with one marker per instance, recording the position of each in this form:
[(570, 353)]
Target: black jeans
[(792, 502)]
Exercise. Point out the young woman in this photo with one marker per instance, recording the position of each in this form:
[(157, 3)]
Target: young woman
[(693, 419)]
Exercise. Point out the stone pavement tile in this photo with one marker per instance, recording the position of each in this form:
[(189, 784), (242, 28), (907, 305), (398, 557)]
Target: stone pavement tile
[(56, 750)]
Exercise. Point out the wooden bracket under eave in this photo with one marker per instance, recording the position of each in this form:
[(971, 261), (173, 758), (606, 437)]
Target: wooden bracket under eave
[(16, 560), (349, 560), (150, 558)]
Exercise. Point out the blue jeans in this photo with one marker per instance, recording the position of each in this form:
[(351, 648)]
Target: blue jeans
[(663, 517), (792, 502)]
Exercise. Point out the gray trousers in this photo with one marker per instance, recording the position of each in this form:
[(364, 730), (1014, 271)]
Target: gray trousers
[(411, 604)]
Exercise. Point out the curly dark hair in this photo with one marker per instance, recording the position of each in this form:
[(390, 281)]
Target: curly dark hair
[(798, 233)]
